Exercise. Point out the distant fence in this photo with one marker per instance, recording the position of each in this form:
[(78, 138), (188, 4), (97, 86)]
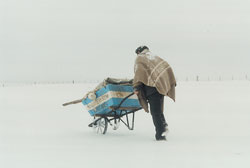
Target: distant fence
[(21, 83), (214, 78), (189, 78)]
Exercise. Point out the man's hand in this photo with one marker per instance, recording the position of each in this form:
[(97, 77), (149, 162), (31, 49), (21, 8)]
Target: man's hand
[(137, 88), (136, 92)]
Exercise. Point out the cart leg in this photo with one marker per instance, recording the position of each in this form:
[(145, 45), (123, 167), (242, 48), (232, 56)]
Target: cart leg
[(127, 121), (133, 119)]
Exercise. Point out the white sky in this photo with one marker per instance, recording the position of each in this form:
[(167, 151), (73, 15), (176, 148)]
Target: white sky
[(90, 39)]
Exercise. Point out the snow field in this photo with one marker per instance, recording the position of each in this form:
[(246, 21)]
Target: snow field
[(209, 127)]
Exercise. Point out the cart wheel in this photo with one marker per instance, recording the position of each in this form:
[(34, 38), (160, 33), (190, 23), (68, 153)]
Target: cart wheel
[(101, 125)]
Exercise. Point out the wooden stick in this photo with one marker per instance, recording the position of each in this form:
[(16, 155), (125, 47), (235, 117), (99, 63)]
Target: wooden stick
[(73, 102)]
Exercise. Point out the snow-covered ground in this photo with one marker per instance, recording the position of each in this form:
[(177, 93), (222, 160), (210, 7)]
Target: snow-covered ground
[(209, 127)]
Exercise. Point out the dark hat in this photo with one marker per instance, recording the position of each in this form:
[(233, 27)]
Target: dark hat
[(140, 49)]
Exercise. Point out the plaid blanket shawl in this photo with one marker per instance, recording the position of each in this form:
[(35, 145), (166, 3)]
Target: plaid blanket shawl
[(155, 72)]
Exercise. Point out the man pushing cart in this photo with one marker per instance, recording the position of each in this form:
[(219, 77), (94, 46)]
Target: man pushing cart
[(153, 80), (113, 100)]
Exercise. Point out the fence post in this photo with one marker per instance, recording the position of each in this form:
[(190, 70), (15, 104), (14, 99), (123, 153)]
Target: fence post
[(197, 78)]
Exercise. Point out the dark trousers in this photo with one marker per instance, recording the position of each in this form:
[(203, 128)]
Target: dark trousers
[(156, 102)]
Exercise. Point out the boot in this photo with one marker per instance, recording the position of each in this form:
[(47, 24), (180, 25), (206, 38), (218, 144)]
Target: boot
[(159, 137)]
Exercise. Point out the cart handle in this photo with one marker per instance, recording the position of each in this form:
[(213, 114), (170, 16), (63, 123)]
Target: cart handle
[(125, 98)]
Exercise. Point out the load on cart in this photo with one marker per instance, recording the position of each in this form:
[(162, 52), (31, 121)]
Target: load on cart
[(111, 103)]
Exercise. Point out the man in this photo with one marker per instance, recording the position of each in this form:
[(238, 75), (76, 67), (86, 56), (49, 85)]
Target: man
[(153, 80)]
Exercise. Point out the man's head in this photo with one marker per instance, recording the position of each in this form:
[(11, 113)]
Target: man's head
[(140, 49)]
